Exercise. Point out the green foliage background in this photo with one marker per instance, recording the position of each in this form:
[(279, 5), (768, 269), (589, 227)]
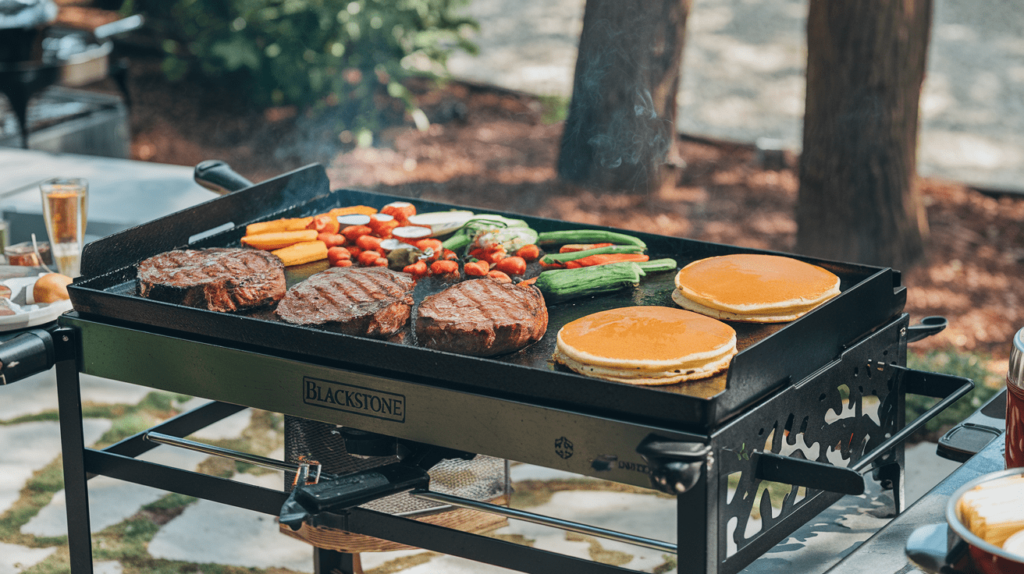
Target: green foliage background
[(352, 55), (951, 363)]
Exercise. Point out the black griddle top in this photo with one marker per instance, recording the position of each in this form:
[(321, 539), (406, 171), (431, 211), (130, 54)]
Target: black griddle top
[(770, 355)]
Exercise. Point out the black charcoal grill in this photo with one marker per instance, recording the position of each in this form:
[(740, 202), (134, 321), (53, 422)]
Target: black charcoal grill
[(814, 404), (34, 54)]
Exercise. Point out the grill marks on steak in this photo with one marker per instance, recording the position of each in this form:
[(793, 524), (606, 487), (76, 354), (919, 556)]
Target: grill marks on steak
[(370, 301), (482, 317), (224, 280)]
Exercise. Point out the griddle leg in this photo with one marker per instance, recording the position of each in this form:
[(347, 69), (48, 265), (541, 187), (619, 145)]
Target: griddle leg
[(331, 562), (76, 490), (695, 534), (890, 476)]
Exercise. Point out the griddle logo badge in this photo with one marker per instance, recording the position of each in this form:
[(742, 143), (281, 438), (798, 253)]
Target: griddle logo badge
[(563, 447), (353, 399)]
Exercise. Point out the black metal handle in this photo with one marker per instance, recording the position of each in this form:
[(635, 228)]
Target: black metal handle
[(218, 177), (926, 328), (339, 494), (816, 475), (675, 465), (26, 354), (807, 473)]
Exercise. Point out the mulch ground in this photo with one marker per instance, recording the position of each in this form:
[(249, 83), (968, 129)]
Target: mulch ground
[(493, 149)]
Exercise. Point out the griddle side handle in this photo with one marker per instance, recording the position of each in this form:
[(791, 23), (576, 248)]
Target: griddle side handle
[(218, 177), (926, 328), (807, 473), (947, 388), (25, 355)]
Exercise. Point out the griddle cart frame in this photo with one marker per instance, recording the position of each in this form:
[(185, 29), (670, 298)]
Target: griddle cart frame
[(235, 377)]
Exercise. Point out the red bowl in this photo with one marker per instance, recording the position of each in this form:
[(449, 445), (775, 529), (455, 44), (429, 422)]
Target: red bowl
[(984, 556)]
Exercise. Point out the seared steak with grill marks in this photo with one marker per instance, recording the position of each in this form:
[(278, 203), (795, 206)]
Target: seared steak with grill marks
[(482, 317), (368, 301), (216, 279)]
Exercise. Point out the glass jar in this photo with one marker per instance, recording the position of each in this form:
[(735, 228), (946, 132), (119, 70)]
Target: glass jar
[(1015, 404)]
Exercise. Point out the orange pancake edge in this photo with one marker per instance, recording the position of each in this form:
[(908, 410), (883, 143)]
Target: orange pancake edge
[(647, 378), (756, 284), (773, 316), (650, 339)]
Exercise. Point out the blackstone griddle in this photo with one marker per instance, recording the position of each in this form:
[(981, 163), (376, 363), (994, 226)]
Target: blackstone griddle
[(814, 403)]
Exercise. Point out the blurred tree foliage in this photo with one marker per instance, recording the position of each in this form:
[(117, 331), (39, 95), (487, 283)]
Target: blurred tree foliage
[(352, 55)]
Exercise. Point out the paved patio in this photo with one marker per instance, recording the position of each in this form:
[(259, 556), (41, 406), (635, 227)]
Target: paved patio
[(743, 75), (202, 532)]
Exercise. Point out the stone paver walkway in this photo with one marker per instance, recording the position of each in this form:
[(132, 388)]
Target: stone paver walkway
[(33, 524)]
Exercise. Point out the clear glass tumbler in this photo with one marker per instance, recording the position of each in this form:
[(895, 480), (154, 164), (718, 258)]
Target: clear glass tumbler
[(64, 211)]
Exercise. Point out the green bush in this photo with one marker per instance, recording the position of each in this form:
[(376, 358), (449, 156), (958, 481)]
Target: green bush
[(348, 55), (950, 363)]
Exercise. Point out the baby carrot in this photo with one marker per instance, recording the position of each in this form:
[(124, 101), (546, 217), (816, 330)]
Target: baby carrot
[(444, 266), (476, 268), (529, 252)]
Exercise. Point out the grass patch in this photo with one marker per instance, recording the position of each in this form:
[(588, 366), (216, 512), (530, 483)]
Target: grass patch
[(403, 563), (515, 539), (669, 565), (46, 416), (37, 493), (128, 420), (598, 552), (951, 363)]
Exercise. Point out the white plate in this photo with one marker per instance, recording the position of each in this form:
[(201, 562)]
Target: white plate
[(26, 315)]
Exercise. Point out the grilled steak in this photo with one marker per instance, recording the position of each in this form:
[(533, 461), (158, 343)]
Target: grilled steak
[(367, 301), (482, 317), (216, 279)]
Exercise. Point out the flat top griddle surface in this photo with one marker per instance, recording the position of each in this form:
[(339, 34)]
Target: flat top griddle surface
[(770, 354)]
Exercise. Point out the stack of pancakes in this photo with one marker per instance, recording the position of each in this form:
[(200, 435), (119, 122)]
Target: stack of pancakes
[(753, 288), (646, 345)]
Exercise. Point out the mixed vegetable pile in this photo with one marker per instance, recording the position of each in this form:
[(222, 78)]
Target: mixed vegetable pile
[(587, 262)]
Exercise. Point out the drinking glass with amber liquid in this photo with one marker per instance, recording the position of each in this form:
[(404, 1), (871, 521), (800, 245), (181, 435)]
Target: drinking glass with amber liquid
[(64, 206)]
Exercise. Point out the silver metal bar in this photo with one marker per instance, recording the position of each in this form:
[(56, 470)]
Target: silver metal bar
[(222, 452), (546, 521)]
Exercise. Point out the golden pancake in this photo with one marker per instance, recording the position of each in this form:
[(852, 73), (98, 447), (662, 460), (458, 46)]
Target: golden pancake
[(753, 288), (646, 345)]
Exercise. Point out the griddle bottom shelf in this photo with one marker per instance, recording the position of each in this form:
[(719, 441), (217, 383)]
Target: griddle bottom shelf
[(695, 468)]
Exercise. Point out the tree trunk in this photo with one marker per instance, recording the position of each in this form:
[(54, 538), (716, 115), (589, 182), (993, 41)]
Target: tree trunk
[(858, 199), (621, 122)]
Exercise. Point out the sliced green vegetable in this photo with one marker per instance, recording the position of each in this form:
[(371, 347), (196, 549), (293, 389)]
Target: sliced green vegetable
[(553, 258), (658, 265), (510, 238), (468, 232), (564, 284), (588, 236)]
